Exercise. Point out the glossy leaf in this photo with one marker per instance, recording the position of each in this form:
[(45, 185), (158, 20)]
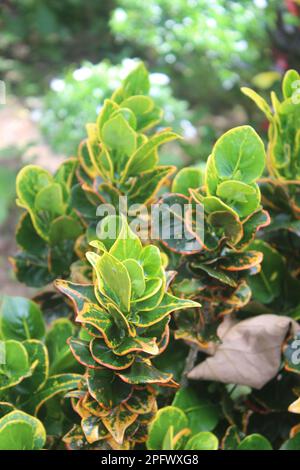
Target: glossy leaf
[(239, 155), (254, 442), (20, 431), (56, 384), (167, 417), (16, 366), (267, 284), (202, 441), (202, 414), (185, 179), (21, 319)]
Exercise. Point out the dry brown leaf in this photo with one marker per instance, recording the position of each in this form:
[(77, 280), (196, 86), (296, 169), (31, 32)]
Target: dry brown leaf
[(250, 352)]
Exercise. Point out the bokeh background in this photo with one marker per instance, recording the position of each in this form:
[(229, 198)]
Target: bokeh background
[(60, 59)]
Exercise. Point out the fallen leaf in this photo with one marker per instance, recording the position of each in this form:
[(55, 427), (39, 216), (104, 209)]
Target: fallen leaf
[(250, 351)]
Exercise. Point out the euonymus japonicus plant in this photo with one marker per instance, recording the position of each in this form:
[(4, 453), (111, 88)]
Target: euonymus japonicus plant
[(214, 260), (186, 424), (117, 158), (121, 292), (180, 427), (277, 287), (230, 272), (281, 196), (36, 370), (49, 227), (125, 315)]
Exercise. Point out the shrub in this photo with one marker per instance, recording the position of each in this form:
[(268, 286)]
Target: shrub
[(227, 279), (126, 314), (37, 368)]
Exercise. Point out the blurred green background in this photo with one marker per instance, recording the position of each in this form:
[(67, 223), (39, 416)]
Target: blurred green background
[(60, 59)]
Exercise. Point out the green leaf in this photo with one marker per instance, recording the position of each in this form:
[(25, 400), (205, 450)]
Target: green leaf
[(215, 273), (165, 418), (128, 115), (117, 421), (38, 355), (211, 176), (65, 172), (81, 351), (202, 441), (107, 110), (32, 270), (54, 385), (145, 157), (251, 225), (142, 372), (174, 224), (152, 296), (49, 201), (114, 280), (169, 304), (151, 261), (5, 407), (106, 388), (141, 401), (289, 83), (84, 155), (20, 431), (64, 228), (104, 356), (228, 224), (137, 277), (214, 204), (202, 414), (137, 82), (242, 198), (127, 244), (259, 101), (139, 104), (89, 313), (101, 159), (82, 204), (235, 261), (16, 366), (168, 441), (147, 345), (292, 444), (21, 319), (30, 180), (119, 136), (61, 359), (239, 155), (147, 185), (27, 237), (255, 442), (267, 284), (187, 178), (93, 428)]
